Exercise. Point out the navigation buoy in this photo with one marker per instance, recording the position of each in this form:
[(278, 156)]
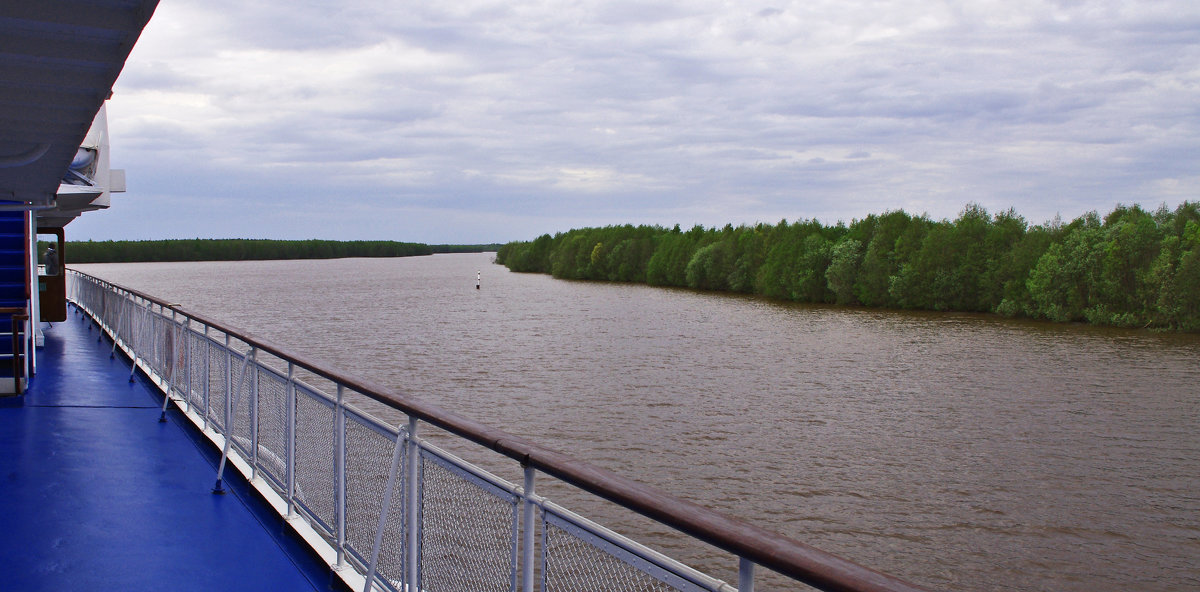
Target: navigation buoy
[(478, 277)]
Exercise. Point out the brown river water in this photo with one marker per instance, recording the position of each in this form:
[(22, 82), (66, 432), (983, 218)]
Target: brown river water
[(959, 452)]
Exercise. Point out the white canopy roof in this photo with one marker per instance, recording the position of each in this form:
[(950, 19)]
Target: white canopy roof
[(58, 62)]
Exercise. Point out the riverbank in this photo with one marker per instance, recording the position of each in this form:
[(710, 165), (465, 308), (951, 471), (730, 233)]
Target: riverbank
[(1131, 268), (251, 250)]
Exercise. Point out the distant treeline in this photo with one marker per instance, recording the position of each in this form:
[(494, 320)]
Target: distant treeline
[(1131, 268), (234, 250), (489, 248)]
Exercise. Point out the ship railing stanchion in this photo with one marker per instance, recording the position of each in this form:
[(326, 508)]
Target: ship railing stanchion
[(87, 294), (150, 348), (393, 472), (100, 317), (169, 365), (135, 343), (226, 423), (158, 357), (153, 351), (135, 312), (254, 420), (527, 525), (130, 311), (187, 373), (745, 575), (339, 471), (120, 317), (207, 389), (219, 488), (412, 510), (290, 469)]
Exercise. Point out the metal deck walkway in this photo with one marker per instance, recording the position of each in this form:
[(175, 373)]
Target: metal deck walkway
[(97, 494)]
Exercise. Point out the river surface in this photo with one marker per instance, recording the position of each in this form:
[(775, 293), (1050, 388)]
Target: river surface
[(956, 451)]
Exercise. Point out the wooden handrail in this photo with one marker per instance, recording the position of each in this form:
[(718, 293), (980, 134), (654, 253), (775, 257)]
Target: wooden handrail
[(788, 556)]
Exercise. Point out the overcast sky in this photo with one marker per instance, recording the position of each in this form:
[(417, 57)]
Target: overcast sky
[(469, 121)]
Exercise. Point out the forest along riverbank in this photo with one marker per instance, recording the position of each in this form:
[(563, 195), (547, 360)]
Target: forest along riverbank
[(1132, 269), (957, 451)]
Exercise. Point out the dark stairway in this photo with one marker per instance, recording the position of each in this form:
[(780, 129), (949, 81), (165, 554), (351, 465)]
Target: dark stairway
[(12, 288)]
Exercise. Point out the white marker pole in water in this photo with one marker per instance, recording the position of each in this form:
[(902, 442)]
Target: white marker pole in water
[(478, 276)]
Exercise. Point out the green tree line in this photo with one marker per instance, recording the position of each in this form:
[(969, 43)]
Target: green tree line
[(1131, 268), (485, 248), (234, 250)]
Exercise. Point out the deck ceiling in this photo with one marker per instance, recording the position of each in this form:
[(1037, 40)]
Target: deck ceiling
[(58, 62)]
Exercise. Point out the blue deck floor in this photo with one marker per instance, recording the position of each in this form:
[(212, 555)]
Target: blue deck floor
[(96, 494)]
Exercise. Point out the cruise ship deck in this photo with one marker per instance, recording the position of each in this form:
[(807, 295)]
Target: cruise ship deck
[(99, 495)]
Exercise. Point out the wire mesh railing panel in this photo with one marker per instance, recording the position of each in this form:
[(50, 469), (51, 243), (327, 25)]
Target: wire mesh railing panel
[(146, 337), (272, 427), (369, 454), (241, 393), (576, 559), (125, 319), (315, 478), (175, 349), (117, 321), (156, 358), (137, 326), (468, 530), (95, 299), (197, 372), (218, 364), (109, 304), (165, 351), (131, 320)]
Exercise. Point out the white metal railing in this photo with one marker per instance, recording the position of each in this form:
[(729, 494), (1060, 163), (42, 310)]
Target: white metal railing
[(389, 510)]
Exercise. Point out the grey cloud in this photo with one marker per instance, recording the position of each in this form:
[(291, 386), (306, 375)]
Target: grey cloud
[(626, 13), (667, 112), (157, 75)]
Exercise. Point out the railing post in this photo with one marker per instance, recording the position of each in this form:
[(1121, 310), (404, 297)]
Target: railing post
[(290, 461), (339, 471), (229, 431), (412, 510), (745, 575), (228, 386), (169, 365), (136, 347), (151, 349), (207, 390), (187, 374), (160, 343), (527, 526), (118, 333), (254, 420), (397, 454)]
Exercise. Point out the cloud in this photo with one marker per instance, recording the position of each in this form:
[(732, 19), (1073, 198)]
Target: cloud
[(591, 113)]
